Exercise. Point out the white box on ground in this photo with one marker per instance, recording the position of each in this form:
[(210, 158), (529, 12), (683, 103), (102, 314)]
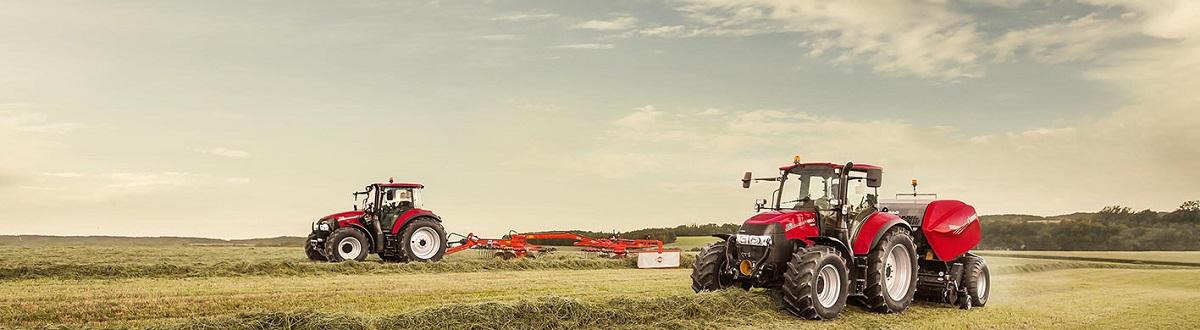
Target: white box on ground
[(654, 259)]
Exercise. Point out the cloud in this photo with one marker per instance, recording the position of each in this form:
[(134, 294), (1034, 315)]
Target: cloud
[(525, 17), (615, 24), (102, 187), (225, 152), (926, 39), (499, 37), (585, 46), (34, 122)]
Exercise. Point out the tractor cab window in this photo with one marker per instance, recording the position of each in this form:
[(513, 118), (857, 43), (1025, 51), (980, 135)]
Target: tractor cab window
[(810, 189), (398, 198)]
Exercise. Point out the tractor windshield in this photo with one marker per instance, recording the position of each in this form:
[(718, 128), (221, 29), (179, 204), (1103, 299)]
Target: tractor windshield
[(808, 188)]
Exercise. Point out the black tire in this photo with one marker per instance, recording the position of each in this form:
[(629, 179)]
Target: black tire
[(803, 283), (708, 268), (875, 296), (413, 246), (975, 278), (313, 254), (340, 245)]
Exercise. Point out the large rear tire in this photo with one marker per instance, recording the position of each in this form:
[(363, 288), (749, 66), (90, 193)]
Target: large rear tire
[(424, 240), (977, 281), (313, 254), (816, 283), (891, 273), (707, 271), (346, 243)]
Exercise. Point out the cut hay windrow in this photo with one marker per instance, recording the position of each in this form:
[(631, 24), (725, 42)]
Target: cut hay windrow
[(302, 268), (693, 311)]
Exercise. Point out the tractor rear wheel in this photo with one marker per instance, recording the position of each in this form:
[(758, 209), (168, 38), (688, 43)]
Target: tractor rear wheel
[(424, 240), (891, 273), (816, 283), (707, 270), (977, 281), (346, 243), (312, 253)]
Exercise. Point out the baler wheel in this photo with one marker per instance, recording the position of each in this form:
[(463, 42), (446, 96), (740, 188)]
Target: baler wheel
[(346, 243), (312, 253), (424, 240), (891, 273), (707, 269), (977, 281), (816, 283)]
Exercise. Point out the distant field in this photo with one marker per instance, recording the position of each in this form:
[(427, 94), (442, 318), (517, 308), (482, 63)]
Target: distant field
[(1171, 257), (222, 287), (690, 242)]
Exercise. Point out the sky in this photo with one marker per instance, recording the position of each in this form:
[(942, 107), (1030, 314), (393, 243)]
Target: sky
[(236, 119)]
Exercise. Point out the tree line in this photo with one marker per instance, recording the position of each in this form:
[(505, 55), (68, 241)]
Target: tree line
[(1113, 228)]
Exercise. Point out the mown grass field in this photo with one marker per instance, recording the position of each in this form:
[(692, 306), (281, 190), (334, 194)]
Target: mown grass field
[(244, 287)]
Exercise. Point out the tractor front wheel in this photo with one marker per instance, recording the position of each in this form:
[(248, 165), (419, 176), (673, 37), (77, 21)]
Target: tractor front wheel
[(424, 240), (977, 281), (312, 253), (891, 273), (707, 269), (346, 243), (816, 283)]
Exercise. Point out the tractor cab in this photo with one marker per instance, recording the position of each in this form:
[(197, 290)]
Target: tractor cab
[(388, 201), (833, 193)]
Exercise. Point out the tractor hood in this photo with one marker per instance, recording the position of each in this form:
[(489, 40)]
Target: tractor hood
[(796, 224), (784, 216), (342, 217)]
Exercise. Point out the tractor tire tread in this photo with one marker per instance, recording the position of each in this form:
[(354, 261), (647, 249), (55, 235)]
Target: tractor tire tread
[(798, 295), (706, 270), (874, 296)]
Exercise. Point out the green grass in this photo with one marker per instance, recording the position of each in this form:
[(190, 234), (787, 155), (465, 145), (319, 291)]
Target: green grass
[(1184, 258), (1028, 293), (692, 242)]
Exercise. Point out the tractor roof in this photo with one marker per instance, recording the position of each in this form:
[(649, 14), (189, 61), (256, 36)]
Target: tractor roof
[(406, 185), (857, 167)]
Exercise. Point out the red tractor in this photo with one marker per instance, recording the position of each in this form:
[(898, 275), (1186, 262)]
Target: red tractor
[(823, 238), (390, 223)]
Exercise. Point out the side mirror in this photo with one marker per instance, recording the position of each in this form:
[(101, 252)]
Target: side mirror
[(746, 180), (874, 178)]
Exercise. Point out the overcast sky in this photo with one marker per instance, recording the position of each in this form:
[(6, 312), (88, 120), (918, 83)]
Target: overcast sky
[(242, 119)]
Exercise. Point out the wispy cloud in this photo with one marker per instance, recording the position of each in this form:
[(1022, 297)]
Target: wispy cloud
[(525, 17), (499, 37), (225, 152), (585, 46), (615, 24)]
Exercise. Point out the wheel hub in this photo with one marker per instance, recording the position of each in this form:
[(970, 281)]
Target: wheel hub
[(897, 272)]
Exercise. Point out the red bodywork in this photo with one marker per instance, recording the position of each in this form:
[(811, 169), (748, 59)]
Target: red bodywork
[(349, 218), (872, 229), (409, 215), (796, 224), (951, 227), (857, 167)]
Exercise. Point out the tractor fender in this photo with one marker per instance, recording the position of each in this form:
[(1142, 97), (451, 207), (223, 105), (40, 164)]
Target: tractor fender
[(834, 243), (873, 229), (407, 216), (370, 236)]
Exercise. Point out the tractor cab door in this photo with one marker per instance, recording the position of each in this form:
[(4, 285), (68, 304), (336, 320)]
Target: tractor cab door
[(393, 203)]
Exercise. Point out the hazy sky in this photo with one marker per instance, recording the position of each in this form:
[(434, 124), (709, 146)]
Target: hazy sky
[(253, 118)]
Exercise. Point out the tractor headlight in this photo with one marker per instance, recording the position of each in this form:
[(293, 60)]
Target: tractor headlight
[(323, 226)]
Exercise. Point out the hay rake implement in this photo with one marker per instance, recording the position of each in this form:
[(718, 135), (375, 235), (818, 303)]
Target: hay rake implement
[(650, 253)]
